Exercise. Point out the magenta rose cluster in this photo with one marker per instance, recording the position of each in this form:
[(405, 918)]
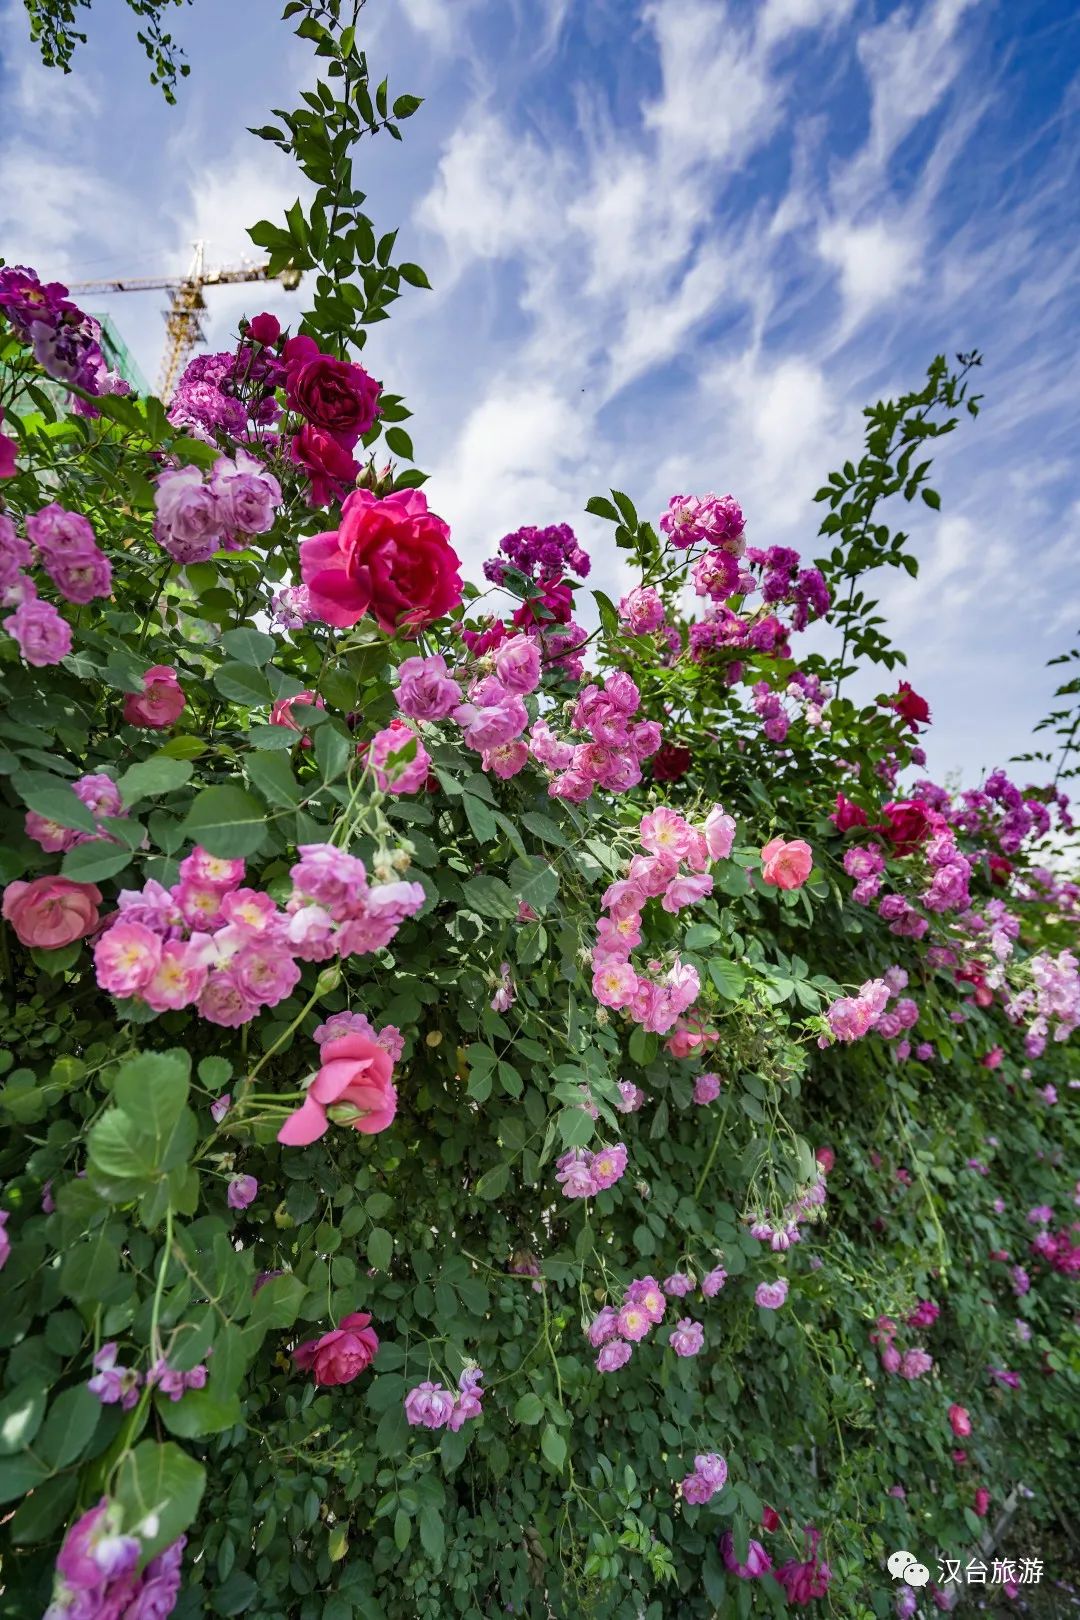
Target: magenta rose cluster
[(196, 516), (230, 950), (707, 1477), (98, 1577), (114, 1384), (912, 1363), (433, 1406), (66, 342), (672, 869), (616, 1329)]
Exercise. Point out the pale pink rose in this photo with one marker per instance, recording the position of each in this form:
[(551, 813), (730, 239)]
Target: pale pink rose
[(126, 958), (786, 865), (393, 775), (159, 704), (719, 833)]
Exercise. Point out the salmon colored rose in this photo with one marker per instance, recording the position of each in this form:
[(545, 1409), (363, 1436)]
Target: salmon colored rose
[(391, 558), (343, 1354), (353, 1087), (49, 912), (785, 864), (160, 703)]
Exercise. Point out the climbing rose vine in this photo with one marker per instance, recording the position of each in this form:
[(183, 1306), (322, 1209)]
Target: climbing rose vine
[(514, 1102)]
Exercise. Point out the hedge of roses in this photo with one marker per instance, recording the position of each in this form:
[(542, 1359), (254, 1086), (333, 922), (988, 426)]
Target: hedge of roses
[(500, 1117)]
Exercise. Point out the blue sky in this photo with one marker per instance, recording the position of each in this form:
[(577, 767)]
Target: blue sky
[(675, 245)]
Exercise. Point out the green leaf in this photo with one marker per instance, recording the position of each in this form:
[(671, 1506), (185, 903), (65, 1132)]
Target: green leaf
[(493, 1182), (152, 777), (728, 977), (272, 774), (432, 1534), (491, 898), (240, 683), (535, 881), (226, 821), (398, 442), (553, 1446), (600, 506), (404, 107), (95, 860), (19, 1475), (55, 800), (198, 1412), (73, 1418), (152, 1090), (161, 1484), (333, 750), (46, 1508), (380, 1248), (481, 819), (21, 1413), (528, 1409)]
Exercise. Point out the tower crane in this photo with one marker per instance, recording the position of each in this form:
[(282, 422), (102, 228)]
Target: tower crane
[(183, 318)]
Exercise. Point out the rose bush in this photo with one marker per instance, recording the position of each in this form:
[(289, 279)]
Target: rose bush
[(500, 1116)]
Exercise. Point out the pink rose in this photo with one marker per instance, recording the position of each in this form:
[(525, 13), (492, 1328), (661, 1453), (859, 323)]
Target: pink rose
[(50, 912), (126, 957), (517, 664), (719, 833), (8, 452), (426, 690), (332, 394), (390, 558), (355, 1081), (281, 714), (80, 579), (329, 465), (392, 773), (786, 865), (160, 703), (960, 1421), (343, 1354), (43, 635), (188, 521)]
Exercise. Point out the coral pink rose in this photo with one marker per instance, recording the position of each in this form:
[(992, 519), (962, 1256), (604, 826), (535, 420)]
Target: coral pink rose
[(343, 1354), (786, 865), (390, 558), (355, 1083), (960, 1421), (160, 703), (282, 712), (50, 912)]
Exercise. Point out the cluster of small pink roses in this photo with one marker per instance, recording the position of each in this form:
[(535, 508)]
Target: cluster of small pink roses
[(583, 1174), (197, 516), (851, 1017), (491, 713), (230, 950), (98, 1576), (670, 844), (781, 1232), (911, 1363), (432, 1406), (615, 1330), (63, 543), (117, 1385)]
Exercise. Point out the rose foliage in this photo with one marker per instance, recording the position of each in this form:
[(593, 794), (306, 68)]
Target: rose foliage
[(499, 1117)]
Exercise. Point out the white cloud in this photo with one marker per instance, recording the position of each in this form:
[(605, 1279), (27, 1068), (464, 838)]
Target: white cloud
[(876, 262)]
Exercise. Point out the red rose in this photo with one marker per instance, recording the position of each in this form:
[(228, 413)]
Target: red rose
[(391, 558), (343, 1354), (826, 1158), (910, 706), (327, 462), (908, 824), (264, 329), (847, 815), (770, 1519), (1000, 869), (332, 394), (671, 762)]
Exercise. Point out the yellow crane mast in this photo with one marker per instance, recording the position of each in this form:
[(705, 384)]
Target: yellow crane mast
[(183, 318)]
